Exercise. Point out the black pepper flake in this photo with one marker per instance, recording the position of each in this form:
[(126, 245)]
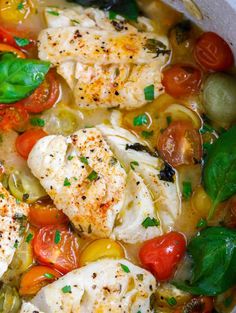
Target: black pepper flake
[(167, 173), (83, 197)]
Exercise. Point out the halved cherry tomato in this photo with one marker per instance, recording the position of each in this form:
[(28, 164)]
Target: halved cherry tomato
[(45, 96), (36, 278), (181, 80), (7, 48), (180, 143), (57, 246), (213, 53), (162, 254), (13, 117), (199, 305), (26, 141), (46, 214)]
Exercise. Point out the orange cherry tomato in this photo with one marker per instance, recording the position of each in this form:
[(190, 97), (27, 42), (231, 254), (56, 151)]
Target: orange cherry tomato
[(45, 96), (213, 53), (13, 117), (36, 278), (43, 215), (26, 141), (182, 80), (7, 48), (180, 143), (199, 305), (57, 246), (162, 254)]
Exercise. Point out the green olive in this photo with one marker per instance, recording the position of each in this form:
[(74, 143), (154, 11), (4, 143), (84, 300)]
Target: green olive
[(25, 187), (9, 300), (219, 97)]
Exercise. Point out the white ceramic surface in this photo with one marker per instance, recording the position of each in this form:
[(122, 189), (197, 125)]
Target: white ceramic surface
[(218, 16)]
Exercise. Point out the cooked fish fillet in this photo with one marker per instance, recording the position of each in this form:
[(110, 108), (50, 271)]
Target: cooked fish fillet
[(28, 307), (11, 217), (104, 286), (106, 63)]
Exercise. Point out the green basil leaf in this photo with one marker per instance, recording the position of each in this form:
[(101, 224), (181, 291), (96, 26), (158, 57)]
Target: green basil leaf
[(219, 173), (213, 253), (125, 8), (19, 77)]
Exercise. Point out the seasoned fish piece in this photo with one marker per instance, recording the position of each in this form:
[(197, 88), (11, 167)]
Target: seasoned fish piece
[(82, 177), (12, 214), (106, 63), (28, 307), (104, 286)]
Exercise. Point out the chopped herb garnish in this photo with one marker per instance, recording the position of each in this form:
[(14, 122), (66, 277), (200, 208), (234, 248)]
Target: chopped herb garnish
[(171, 301), (182, 31), (133, 164), (36, 121), (66, 289), (147, 134), (20, 6), (150, 222), (75, 178), (93, 176), (168, 120), (113, 161), (25, 197), (139, 147), (149, 93), (29, 237), (140, 277), (2, 195), (228, 301), (21, 42), (55, 13), (49, 275), (16, 244), (112, 15), (70, 157), (84, 160), (206, 128), (187, 190), (157, 47), (57, 237), (67, 183), (125, 268), (202, 223), (75, 21), (140, 120)]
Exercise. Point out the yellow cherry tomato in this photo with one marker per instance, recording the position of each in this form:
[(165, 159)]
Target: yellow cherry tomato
[(201, 202), (15, 11), (99, 249)]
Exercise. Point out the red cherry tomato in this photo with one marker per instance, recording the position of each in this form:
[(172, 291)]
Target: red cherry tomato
[(13, 117), (161, 255), (199, 305), (213, 53), (58, 247), (8, 36), (181, 80), (180, 143), (26, 141), (45, 96)]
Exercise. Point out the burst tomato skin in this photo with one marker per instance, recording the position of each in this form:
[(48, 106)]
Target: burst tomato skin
[(180, 143), (13, 117), (26, 141), (213, 53), (199, 305), (161, 255), (182, 80), (61, 254), (45, 96)]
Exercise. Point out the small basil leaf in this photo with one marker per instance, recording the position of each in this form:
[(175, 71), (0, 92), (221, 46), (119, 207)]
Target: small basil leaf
[(19, 77), (213, 252), (219, 173)]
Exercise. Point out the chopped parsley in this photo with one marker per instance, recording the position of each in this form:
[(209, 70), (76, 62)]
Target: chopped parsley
[(202, 223), (70, 157), (140, 277), (20, 6), (29, 237), (66, 289), (147, 134), (140, 120), (93, 176), (49, 275), (2, 195), (21, 42), (16, 244), (57, 237), (36, 121), (67, 183), (171, 301), (125, 268), (157, 47), (55, 13), (168, 120), (206, 128), (75, 21), (149, 93), (187, 190), (112, 15), (84, 160), (150, 222), (133, 164)]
